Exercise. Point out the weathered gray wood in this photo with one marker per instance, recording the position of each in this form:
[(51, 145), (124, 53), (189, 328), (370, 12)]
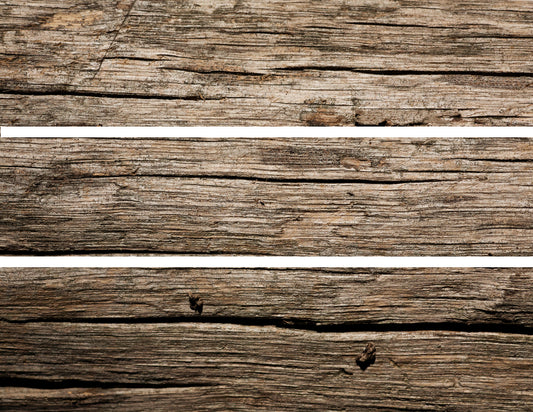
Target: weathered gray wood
[(267, 197), (321, 297), (85, 62), (268, 367)]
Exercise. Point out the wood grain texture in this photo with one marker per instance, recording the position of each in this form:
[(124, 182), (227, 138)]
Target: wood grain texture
[(313, 298), (240, 367), (268, 339), (267, 197), (234, 62)]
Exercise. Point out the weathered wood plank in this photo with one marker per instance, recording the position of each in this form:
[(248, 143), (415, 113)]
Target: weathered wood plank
[(197, 398), (82, 62), (268, 367), (278, 158), (318, 297), (312, 98), (267, 197)]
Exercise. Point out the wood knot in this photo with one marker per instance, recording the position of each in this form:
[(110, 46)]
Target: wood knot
[(196, 303), (367, 357)]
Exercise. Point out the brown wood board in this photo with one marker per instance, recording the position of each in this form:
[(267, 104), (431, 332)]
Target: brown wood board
[(305, 196), (267, 339), (386, 62), (321, 299), (221, 367)]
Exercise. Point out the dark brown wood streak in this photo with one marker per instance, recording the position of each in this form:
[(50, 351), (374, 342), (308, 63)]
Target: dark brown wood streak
[(268, 339), (235, 62), (305, 196)]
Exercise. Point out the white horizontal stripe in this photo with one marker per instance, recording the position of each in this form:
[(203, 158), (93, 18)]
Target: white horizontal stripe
[(261, 261), (263, 132)]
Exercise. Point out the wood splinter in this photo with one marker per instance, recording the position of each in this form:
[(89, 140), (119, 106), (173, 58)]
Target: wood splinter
[(367, 357), (196, 303)]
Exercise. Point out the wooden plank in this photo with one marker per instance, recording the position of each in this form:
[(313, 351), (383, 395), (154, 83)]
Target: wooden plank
[(126, 62), (269, 367), (267, 197), (313, 98), (317, 298), (135, 399)]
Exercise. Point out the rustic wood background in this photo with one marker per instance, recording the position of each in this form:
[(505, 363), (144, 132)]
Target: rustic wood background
[(236, 62), (311, 196), (283, 339)]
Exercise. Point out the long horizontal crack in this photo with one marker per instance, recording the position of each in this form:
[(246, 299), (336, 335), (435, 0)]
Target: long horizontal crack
[(425, 26), (219, 252), (269, 71), (223, 72), (262, 179), (493, 159), (10, 167), (404, 72), (8, 381), (298, 324), (61, 92), (187, 69)]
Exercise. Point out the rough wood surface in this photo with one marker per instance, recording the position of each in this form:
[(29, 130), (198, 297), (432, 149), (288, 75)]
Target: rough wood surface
[(267, 197), (356, 62), (204, 367), (267, 339), (319, 298)]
